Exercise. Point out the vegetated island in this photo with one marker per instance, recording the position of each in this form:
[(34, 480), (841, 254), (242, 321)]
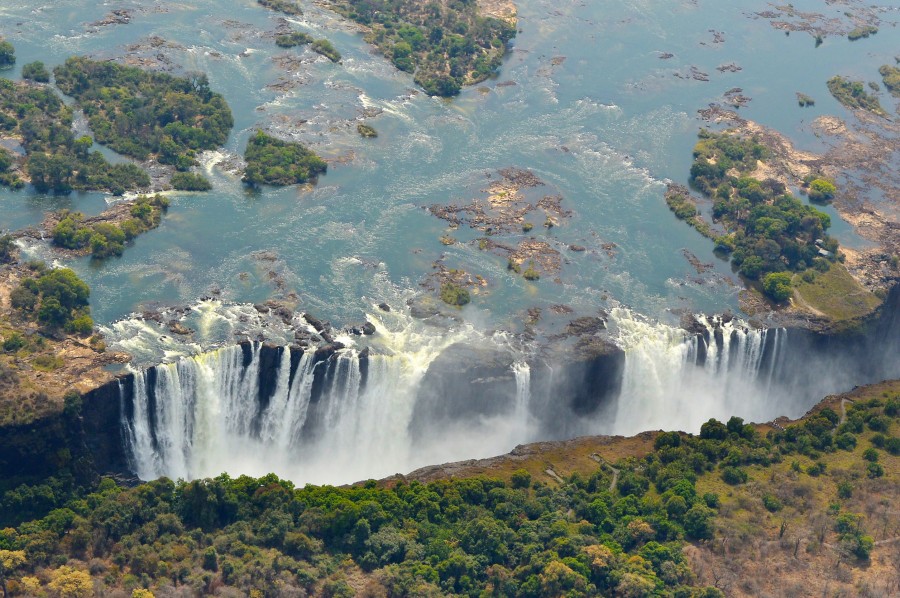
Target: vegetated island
[(106, 235), (852, 94), (288, 7), (271, 161), (444, 45), (662, 513), (769, 233), (7, 54), (854, 285), (862, 32), (367, 131), (298, 38), (804, 100), (147, 115), (890, 75), (54, 160)]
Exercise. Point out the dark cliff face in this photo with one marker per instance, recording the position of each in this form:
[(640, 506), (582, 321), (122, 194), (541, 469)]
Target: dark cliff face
[(466, 384), (84, 441)]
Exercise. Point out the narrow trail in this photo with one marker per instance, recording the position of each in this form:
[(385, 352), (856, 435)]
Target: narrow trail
[(603, 463), (549, 471), (844, 410)]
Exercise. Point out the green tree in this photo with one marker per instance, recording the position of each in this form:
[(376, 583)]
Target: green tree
[(777, 286), (7, 54), (698, 522), (64, 285), (36, 71), (821, 190)]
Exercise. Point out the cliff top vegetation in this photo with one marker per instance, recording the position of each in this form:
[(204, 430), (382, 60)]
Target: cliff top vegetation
[(46, 341)]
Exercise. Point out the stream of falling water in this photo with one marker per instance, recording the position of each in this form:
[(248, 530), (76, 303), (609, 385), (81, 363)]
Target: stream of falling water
[(348, 416)]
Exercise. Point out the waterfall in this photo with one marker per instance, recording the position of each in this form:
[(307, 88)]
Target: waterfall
[(521, 415), (326, 416), (339, 413), (677, 380)]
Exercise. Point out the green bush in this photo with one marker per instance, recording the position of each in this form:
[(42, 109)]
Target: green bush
[(366, 130), (845, 441), (892, 445), (520, 479), (7, 249), (271, 161), (7, 54), (295, 38), (771, 503), (454, 294), (324, 47), (13, 342), (188, 181), (892, 407), (777, 286), (879, 423), (845, 490), (82, 325), (821, 190), (107, 240), (36, 71), (734, 476), (816, 469), (531, 272), (874, 470), (288, 7)]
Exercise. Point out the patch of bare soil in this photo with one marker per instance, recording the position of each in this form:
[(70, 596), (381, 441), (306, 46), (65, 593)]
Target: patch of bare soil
[(538, 254), (505, 10)]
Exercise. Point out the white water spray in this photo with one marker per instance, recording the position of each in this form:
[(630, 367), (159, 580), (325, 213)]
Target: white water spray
[(663, 386)]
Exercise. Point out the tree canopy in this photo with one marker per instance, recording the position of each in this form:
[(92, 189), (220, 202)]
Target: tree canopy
[(143, 114), (444, 45), (271, 161)]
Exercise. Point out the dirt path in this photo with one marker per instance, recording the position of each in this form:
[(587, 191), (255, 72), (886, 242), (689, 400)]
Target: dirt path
[(604, 464)]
